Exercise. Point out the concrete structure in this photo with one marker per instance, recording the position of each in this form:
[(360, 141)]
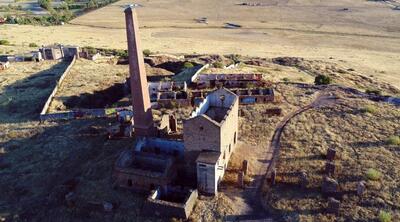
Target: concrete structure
[(170, 202), (51, 52), (210, 136), (4, 65), (57, 51), (258, 95), (70, 51), (143, 119), (240, 80), (143, 170), (160, 146), (169, 94)]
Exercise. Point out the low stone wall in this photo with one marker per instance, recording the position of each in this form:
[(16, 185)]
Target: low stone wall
[(158, 207), (58, 85), (174, 102), (252, 99), (165, 146), (82, 113)]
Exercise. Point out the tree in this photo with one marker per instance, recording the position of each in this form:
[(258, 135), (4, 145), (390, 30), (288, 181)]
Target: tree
[(322, 80)]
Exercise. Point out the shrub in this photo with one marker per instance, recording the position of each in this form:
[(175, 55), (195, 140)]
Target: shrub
[(394, 140), (122, 53), (218, 65), (146, 52), (4, 42), (369, 109), (374, 91), (373, 174), (91, 50), (33, 45), (187, 65), (385, 216), (322, 80), (46, 4), (286, 80)]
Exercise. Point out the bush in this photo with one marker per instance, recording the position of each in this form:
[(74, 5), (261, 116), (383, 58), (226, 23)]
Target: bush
[(122, 54), (373, 174), (385, 216), (46, 4), (91, 50), (187, 65), (322, 80), (146, 52), (374, 91), (33, 45), (394, 140), (4, 42), (285, 80), (218, 65), (369, 109)]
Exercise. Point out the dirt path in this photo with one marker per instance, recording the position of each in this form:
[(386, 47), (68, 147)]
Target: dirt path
[(247, 202)]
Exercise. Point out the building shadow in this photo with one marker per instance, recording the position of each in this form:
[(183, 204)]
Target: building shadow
[(98, 99), (367, 144), (24, 99), (59, 158)]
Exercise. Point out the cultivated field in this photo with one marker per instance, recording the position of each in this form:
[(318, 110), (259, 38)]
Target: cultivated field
[(361, 34)]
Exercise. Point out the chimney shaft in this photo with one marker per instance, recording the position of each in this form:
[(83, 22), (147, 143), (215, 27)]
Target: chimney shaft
[(143, 119)]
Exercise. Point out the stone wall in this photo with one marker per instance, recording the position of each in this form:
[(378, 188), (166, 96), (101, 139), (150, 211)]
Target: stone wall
[(230, 132), (59, 82), (162, 208)]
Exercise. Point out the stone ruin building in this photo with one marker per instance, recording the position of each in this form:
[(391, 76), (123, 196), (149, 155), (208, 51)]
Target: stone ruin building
[(159, 161), (210, 137)]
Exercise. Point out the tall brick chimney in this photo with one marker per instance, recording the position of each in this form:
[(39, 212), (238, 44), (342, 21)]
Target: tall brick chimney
[(143, 118)]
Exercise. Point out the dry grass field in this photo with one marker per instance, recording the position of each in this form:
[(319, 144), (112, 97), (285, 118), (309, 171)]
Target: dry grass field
[(366, 36), (359, 130), (355, 42)]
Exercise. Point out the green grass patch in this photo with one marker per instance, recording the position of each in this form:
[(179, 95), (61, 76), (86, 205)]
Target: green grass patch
[(219, 65), (369, 109), (374, 92), (394, 140), (4, 42), (373, 174), (322, 80), (384, 216), (187, 65), (33, 45)]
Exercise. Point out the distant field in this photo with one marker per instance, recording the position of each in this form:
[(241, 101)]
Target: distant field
[(364, 35)]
